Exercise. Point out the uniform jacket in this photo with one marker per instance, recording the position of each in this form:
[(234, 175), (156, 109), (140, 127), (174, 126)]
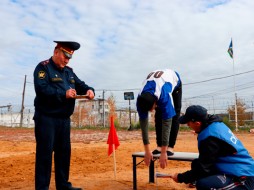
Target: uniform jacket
[(51, 84)]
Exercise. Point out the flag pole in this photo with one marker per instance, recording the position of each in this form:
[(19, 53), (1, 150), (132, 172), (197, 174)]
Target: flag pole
[(230, 51), (236, 117), (112, 142), (114, 158)]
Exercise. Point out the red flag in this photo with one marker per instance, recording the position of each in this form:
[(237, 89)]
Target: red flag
[(112, 137)]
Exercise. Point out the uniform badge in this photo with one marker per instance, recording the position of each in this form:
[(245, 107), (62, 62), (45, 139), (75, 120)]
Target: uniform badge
[(41, 75)]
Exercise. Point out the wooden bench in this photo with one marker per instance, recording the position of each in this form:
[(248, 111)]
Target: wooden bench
[(180, 156)]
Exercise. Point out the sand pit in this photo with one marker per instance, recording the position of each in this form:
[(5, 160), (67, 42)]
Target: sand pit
[(91, 168)]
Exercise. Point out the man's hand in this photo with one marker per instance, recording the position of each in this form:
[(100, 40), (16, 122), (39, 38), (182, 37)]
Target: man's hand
[(90, 94), (148, 157), (163, 157), (175, 177), (71, 93), (163, 160)]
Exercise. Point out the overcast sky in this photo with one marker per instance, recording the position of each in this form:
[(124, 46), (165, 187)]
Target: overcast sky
[(123, 40)]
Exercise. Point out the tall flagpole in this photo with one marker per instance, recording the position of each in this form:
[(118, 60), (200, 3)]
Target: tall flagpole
[(236, 118), (230, 51)]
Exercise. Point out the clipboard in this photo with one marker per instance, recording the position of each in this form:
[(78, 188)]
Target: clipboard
[(82, 97)]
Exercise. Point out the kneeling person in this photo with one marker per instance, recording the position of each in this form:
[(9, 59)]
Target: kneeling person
[(223, 160)]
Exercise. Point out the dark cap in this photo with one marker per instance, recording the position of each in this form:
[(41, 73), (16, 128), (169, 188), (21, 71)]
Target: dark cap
[(145, 101), (67, 47), (194, 113)]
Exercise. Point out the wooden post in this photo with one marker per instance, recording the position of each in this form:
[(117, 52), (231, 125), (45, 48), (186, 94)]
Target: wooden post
[(22, 105)]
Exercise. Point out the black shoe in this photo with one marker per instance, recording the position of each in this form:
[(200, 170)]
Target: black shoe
[(156, 152), (169, 153)]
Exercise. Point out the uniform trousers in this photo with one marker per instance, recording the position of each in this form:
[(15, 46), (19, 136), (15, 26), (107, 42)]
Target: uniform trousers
[(177, 100), (52, 135)]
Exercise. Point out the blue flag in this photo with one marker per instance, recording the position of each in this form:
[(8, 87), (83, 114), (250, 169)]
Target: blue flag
[(230, 49)]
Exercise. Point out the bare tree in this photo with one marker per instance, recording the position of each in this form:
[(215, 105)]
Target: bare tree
[(241, 112), (112, 107)]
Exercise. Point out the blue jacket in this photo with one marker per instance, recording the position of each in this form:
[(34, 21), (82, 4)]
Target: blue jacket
[(238, 164), (220, 152)]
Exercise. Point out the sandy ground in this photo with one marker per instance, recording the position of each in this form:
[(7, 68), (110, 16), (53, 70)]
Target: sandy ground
[(91, 167)]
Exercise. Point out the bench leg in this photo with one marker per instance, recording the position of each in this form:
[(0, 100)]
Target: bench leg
[(151, 172), (134, 173)]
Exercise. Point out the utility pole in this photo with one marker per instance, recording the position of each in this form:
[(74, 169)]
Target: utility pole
[(130, 114), (103, 107), (252, 112), (22, 105)]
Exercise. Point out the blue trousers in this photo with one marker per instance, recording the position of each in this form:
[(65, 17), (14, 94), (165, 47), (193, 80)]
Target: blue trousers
[(52, 135)]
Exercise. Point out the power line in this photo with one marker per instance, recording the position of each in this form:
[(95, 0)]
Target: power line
[(219, 78), (208, 80), (223, 91)]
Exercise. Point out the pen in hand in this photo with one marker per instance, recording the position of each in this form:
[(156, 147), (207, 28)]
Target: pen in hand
[(72, 92)]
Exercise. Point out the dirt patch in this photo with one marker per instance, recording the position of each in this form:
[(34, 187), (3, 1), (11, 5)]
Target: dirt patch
[(91, 168)]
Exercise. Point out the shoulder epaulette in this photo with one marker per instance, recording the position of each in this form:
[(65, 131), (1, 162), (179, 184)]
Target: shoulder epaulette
[(45, 62)]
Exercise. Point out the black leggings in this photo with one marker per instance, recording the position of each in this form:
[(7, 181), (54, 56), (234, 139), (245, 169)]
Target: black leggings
[(177, 99)]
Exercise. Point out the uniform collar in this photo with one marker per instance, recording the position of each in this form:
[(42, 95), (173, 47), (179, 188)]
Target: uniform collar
[(55, 66)]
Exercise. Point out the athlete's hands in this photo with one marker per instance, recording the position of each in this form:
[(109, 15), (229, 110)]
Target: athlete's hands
[(148, 157), (163, 160)]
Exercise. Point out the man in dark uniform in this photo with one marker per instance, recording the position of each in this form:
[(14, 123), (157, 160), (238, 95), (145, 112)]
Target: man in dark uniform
[(56, 87)]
